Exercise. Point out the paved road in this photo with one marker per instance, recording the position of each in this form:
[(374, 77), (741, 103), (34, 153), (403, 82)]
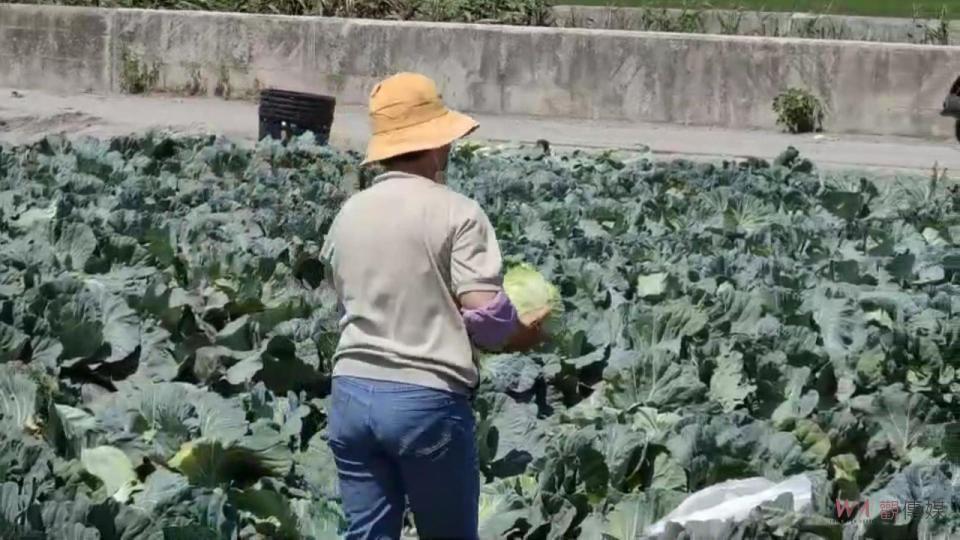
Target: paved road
[(27, 115)]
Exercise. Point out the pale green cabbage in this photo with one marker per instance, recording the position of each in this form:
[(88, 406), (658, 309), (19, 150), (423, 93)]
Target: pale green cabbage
[(529, 291)]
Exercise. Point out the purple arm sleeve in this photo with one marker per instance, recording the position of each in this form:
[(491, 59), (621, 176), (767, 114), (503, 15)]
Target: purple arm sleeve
[(492, 325)]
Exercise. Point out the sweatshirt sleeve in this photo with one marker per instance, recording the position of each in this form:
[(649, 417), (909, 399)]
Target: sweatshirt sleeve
[(491, 326), (476, 263)]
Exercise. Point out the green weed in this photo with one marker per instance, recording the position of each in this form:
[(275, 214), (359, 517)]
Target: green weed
[(136, 77), (799, 111)]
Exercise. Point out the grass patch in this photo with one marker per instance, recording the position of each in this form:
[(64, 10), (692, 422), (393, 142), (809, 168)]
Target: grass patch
[(514, 12), (882, 8), (136, 76)]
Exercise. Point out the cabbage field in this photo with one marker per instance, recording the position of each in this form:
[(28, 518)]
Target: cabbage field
[(166, 336)]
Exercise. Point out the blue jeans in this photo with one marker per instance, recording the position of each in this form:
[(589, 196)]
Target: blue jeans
[(393, 441)]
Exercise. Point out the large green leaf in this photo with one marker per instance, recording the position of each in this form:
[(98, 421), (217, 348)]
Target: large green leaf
[(318, 468), (319, 519), (218, 418), (157, 362), (713, 449), (210, 463), (511, 437), (925, 486), (728, 385), (12, 506), (842, 325), (510, 373), (905, 420), (737, 312), (631, 517), (75, 531), (89, 314), (12, 342), (658, 379), (70, 429), (76, 245), (18, 399), (500, 510), (664, 327), (161, 488), (110, 465), (154, 419), (119, 324), (621, 449), (796, 403), (843, 204), (668, 474), (274, 516), (653, 285)]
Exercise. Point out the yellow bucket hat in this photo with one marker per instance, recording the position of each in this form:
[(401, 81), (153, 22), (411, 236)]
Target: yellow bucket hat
[(407, 115)]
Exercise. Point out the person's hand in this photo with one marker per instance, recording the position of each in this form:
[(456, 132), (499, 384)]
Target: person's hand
[(530, 333), (535, 317)]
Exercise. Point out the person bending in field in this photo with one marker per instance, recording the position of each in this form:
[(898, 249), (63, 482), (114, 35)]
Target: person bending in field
[(417, 270)]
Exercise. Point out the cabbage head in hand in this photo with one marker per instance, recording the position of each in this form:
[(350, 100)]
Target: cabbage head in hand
[(532, 294)]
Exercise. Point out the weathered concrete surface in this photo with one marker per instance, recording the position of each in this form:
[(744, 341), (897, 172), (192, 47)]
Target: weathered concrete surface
[(36, 114), (761, 23), (707, 80), (60, 49)]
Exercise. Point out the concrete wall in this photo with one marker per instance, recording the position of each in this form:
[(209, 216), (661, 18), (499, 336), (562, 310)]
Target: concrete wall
[(54, 48), (729, 81), (761, 23)]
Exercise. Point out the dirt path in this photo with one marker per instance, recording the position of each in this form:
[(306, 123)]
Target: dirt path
[(29, 115)]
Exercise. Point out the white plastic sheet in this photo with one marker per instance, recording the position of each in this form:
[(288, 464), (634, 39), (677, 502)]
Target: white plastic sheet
[(735, 499)]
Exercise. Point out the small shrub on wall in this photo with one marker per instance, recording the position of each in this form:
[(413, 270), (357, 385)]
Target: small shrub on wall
[(799, 111)]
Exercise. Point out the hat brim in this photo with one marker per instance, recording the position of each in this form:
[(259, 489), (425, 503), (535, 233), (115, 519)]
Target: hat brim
[(435, 133)]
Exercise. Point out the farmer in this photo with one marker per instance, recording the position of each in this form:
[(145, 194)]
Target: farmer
[(417, 270)]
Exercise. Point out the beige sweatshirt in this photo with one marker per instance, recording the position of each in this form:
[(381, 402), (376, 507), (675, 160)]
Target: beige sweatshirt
[(400, 252)]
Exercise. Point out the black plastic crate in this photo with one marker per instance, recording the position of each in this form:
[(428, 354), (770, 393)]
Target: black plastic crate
[(285, 114)]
